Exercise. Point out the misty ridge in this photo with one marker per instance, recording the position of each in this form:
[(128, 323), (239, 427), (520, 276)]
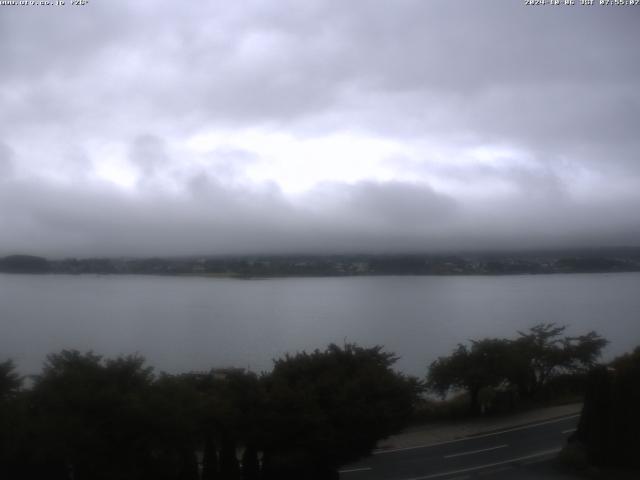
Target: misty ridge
[(495, 263)]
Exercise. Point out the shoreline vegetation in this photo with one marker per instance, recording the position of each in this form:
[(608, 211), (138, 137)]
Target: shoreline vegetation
[(606, 260), (89, 417)]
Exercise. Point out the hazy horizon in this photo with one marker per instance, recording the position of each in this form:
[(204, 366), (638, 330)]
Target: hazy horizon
[(579, 250), (171, 129)]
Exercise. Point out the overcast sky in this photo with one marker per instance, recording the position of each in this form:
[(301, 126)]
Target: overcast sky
[(154, 127)]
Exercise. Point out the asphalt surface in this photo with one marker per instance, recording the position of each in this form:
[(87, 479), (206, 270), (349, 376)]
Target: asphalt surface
[(524, 452)]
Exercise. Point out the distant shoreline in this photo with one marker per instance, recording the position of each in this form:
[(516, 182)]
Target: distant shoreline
[(231, 276), (333, 266)]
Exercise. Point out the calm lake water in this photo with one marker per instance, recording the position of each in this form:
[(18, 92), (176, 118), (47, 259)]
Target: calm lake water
[(181, 324)]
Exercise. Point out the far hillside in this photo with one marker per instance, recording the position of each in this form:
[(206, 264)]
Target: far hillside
[(483, 263)]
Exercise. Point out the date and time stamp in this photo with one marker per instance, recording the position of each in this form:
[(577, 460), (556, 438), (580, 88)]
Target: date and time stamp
[(531, 3), (44, 3), (584, 3)]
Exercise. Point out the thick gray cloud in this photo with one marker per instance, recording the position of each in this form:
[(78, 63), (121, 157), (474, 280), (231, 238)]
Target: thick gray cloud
[(148, 153), (162, 127), (6, 165), (211, 217)]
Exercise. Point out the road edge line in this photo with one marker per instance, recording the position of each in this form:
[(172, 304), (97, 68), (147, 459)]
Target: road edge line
[(471, 437), (472, 452), (488, 465)]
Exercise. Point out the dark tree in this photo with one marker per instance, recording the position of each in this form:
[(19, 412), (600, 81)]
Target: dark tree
[(471, 369), (542, 352), (177, 426), (12, 423), (250, 464), (330, 407), (10, 381), (210, 467), (233, 409), (229, 465), (609, 427), (527, 363), (90, 416)]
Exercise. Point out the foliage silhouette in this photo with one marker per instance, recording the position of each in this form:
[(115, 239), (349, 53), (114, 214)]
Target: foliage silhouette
[(609, 427), (482, 365), (90, 418), (330, 407), (10, 381), (526, 364)]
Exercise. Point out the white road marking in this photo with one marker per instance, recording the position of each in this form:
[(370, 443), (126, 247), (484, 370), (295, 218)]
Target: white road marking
[(534, 461), (453, 455), (488, 465), (352, 470), (493, 471), (473, 437), (571, 430)]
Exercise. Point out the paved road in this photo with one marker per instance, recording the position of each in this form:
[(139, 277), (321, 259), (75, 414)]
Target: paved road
[(516, 453)]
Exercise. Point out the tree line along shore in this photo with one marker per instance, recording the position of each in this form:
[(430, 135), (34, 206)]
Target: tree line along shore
[(570, 261), (89, 417)]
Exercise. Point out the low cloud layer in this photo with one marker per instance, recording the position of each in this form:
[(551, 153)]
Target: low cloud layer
[(161, 128)]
